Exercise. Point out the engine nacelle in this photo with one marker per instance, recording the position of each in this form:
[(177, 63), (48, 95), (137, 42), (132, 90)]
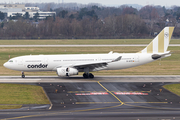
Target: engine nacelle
[(66, 71)]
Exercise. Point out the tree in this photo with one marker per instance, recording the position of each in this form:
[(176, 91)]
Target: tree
[(17, 16), (84, 12), (36, 17), (26, 15), (71, 16), (148, 12), (177, 13), (2, 16), (62, 13), (129, 10), (92, 14), (95, 7), (2, 25)]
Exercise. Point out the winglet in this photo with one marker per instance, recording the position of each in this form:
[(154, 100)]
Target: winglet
[(160, 42)]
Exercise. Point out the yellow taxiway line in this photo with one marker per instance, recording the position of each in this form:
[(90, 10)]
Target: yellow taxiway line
[(110, 93)]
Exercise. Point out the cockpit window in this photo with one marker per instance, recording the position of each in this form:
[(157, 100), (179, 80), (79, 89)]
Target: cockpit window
[(10, 60)]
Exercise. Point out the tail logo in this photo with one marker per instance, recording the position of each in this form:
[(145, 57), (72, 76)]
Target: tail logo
[(166, 35)]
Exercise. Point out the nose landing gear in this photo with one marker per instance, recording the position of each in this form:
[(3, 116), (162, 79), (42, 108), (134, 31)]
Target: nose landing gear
[(23, 76)]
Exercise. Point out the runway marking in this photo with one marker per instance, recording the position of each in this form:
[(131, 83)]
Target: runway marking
[(133, 91), (105, 91), (116, 93), (130, 93), (93, 93), (118, 102), (97, 102), (110, 93), (148, 102)]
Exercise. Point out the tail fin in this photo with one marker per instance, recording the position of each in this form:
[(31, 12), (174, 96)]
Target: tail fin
[(160, 42)]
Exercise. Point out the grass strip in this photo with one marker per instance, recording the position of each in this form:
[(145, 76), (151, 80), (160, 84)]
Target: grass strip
[(4, 107), (19, 94), (80, 41), (174, 88)]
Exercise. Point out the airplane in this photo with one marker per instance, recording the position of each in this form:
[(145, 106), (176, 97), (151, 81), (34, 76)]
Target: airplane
[(72, 64)]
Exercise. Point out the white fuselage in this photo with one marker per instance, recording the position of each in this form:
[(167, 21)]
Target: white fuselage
[(52, 62)]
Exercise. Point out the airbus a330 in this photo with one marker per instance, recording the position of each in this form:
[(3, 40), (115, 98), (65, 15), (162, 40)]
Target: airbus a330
[(72, 64)]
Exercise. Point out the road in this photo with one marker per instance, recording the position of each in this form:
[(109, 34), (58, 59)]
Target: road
[(117, 97)]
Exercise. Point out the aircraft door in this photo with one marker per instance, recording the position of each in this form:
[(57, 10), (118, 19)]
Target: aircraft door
[(45, 60), (136, 58), (20, 61)]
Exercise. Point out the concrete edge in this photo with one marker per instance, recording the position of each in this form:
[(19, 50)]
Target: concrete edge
[(48, 99)]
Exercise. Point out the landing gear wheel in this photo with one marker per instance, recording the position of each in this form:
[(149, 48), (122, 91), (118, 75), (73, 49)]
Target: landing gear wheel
[(23, 76), (88, 75), (85, 75), (91, 75)]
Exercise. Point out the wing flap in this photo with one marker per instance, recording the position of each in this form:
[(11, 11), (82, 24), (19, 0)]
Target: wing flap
[(91, 65)]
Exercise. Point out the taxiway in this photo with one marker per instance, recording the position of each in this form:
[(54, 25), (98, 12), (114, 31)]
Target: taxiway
[(118, 97)]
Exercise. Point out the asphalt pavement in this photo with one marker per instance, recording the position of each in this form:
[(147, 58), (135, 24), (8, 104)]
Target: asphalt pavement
[(101, 99)]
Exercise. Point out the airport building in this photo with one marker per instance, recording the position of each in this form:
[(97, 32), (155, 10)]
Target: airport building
[(11, 10)]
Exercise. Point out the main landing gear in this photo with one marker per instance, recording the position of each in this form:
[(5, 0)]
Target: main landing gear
[(23, 76), (88, 75)]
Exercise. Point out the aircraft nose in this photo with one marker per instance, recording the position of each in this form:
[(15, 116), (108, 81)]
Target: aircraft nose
[(5, 65)]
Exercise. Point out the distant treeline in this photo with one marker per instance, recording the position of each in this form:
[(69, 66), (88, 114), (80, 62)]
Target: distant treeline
[(92, 22)]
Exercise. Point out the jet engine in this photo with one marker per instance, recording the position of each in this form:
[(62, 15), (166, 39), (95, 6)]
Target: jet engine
[(66, 71)]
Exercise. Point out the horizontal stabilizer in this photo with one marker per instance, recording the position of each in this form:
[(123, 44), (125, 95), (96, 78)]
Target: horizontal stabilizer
[(158, 56)]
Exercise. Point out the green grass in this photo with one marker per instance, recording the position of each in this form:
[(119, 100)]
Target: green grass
[(80, 41), (174, 88), (3, 107), (167, 66), (18, 94)]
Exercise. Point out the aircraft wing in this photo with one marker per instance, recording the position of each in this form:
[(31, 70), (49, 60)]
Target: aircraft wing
[(96, 65), (92, 65)]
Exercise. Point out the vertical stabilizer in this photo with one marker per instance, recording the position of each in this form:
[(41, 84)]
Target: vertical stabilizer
[(160, 43)]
